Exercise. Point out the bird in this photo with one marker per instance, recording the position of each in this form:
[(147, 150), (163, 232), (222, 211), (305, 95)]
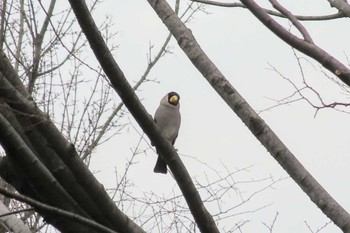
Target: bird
[(168, 119)]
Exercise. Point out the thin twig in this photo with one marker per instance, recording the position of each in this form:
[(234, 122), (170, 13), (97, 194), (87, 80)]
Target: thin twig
[(16, 212)]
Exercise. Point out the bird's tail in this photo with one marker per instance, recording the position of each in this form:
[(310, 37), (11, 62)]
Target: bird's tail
[(160, 166)]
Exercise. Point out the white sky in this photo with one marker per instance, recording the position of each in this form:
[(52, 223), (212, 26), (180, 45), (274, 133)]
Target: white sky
[(242, 48)]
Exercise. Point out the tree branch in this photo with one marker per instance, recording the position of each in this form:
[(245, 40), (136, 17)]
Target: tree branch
[(274, 13), (310, 49), (252, 120), (106, 125), (123, 88), (293, 19)]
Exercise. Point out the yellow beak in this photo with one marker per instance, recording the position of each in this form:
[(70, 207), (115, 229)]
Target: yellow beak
[(174, 99)]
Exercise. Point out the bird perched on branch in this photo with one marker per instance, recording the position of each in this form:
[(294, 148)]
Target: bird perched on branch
[(168, 119)]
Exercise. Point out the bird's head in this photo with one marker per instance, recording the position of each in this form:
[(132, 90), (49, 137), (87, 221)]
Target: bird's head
[(173, 98)]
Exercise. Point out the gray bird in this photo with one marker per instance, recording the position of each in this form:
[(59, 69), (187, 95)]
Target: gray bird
[(168, 119)]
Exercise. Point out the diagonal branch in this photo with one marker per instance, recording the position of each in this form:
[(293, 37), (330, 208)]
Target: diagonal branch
[(310, 49), (293, 19), (106, 125), (120, 84), (253, 121)]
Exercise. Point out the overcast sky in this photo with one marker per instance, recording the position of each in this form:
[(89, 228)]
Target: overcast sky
[(244, 50)]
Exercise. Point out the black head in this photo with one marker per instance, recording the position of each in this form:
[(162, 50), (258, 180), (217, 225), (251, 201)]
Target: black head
[(173, 98)]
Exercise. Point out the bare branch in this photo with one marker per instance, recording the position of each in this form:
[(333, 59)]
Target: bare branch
[(123, 88), (318, 229), (253, 121), (272, 224), (16, 212), (303, 93), (310, 49), (293, 19), (106, 125), (274, 13)]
